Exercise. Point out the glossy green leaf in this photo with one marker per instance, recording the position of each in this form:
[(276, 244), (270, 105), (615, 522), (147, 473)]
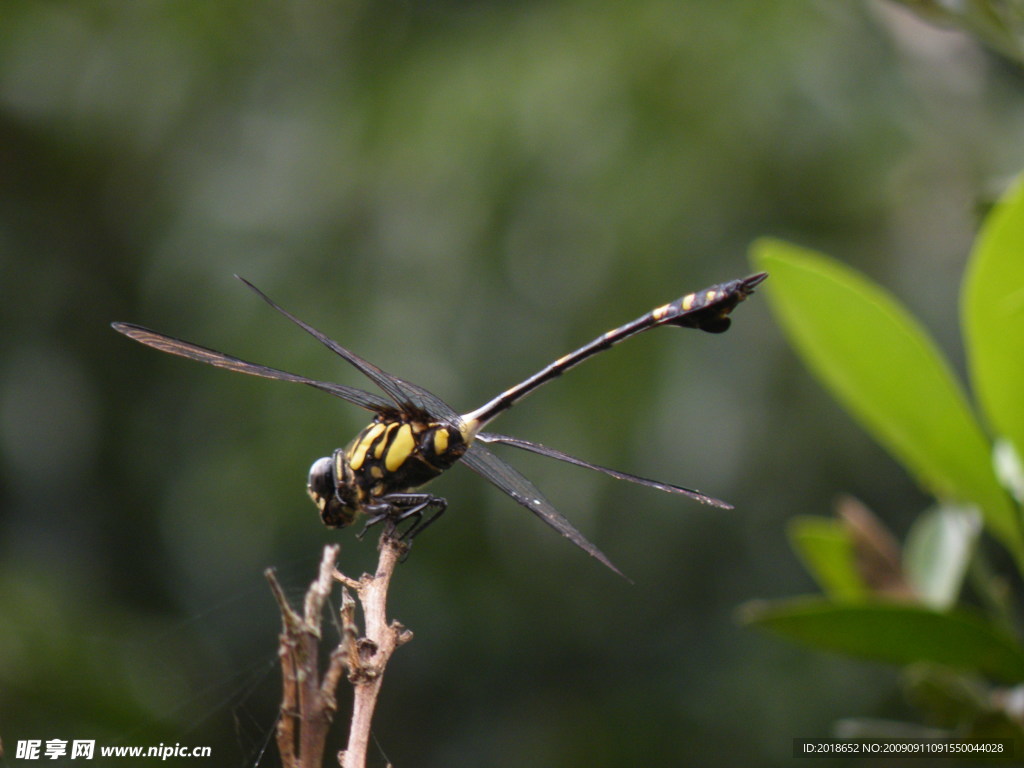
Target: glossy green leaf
[(993, 318), (938, 551), (884, 368), (825, 548), (895, 633)]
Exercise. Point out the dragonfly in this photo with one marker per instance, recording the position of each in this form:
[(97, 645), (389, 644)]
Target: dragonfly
[(415, 436)]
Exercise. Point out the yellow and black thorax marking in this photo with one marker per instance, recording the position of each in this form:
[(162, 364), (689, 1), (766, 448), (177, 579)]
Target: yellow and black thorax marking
[(396, 453)]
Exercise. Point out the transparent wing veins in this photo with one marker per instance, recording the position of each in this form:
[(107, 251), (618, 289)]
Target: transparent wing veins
[(509, 480), (553, 453), (174, 346), (410, 397)]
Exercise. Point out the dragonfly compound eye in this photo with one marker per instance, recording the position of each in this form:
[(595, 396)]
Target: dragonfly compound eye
[(322, 482)]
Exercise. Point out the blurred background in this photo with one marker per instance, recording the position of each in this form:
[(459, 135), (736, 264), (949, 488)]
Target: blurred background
[(461, 192)]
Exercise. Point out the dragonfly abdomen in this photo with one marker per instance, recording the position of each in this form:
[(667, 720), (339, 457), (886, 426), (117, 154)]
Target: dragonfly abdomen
[(706, 310)]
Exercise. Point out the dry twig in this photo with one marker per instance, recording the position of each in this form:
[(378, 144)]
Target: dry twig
[(308, 703)]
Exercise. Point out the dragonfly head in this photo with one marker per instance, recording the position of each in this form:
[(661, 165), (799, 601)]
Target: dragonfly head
[(323, 490)]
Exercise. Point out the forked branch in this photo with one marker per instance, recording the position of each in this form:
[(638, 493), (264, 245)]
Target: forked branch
[(308, 701)]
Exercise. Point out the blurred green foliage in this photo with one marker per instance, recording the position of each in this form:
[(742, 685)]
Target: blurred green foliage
[(997, 23), (885, 369), (888, 373), (460, 192)]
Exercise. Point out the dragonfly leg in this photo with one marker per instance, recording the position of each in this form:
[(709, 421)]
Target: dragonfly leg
[(378, 513), (399, 507), (372, 520), (413, 506)]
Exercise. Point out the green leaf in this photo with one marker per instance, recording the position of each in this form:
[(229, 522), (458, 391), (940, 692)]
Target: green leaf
[(895, 633), (993, 318), (884, 368), (938, 551), (827, 552), (1009, 468)]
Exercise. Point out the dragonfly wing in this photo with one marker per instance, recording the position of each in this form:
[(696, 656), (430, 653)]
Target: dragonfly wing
[(395, 388), (430, 403), (191, 351), (543, 450), (508, 479)]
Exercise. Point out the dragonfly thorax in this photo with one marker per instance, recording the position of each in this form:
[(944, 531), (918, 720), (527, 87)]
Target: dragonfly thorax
[(393, 454)]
